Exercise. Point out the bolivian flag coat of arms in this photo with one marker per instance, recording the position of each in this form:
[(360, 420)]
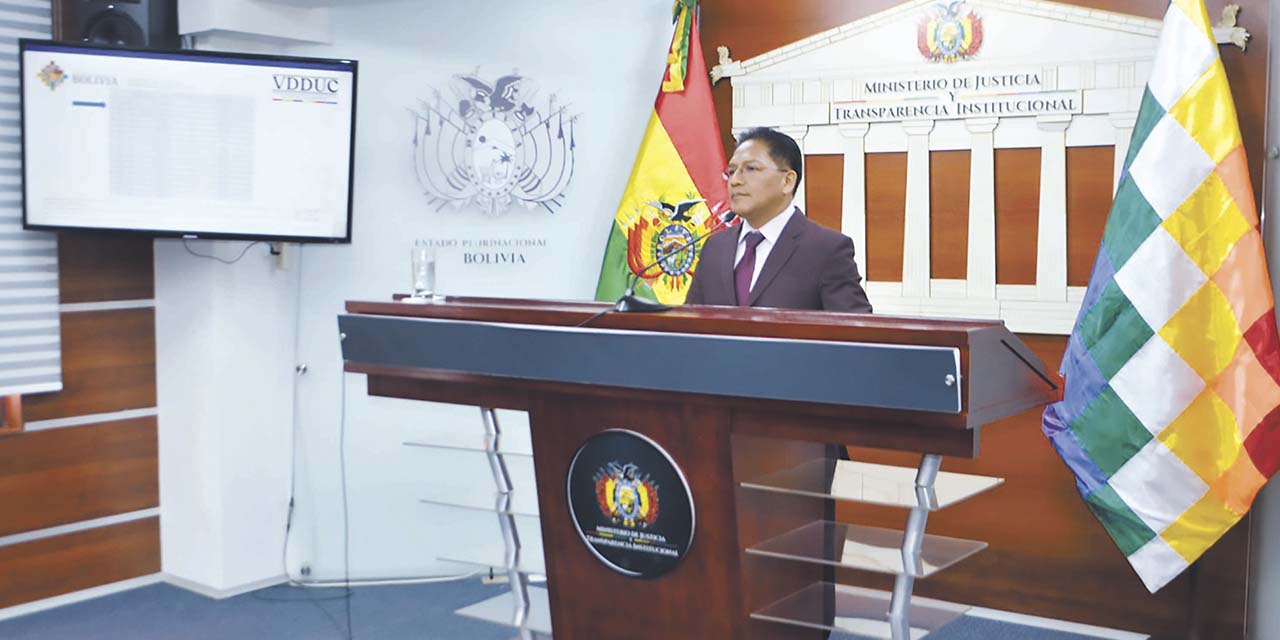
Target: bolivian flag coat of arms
[(663, 227), (676, 190)]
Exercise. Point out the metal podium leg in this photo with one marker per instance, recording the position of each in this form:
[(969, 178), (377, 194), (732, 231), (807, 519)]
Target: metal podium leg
[(510, 534), (912, 539)]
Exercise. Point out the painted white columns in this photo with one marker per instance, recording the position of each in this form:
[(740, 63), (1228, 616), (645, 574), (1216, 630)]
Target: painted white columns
[(915, 241), (853, 200), (981, 271), (798, 132), (1051, 240), (1123, 123)]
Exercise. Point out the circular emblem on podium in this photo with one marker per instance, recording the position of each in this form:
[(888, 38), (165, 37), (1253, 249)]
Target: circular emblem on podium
[(630, 503)]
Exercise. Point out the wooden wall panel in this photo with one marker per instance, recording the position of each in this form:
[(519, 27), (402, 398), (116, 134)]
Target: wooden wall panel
[(1089, 171), (823, 189), (75, 561), (60, 476), (886, 205), (948, 214), (11, 408), (66, 19), (93, 267), (108, 364), (1089, 177), (1017, 211), (1247, 75)]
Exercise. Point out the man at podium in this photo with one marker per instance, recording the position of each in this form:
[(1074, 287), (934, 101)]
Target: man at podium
[(777, 257)]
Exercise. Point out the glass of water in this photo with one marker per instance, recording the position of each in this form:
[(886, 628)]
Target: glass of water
[(422, 261)]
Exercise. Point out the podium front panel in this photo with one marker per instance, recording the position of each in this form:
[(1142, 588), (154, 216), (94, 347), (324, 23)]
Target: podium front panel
[(888, 376)]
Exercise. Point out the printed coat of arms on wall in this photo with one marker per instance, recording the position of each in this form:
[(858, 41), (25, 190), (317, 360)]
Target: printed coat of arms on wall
[(949, 33), (492, 147)]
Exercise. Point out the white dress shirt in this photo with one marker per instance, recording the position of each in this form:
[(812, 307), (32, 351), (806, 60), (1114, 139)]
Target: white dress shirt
[(771, 231)]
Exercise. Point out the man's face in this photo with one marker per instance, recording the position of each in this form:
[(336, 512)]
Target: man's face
[(758, 188)]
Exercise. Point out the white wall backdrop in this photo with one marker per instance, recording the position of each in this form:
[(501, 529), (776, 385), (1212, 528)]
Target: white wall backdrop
[(604, 60)]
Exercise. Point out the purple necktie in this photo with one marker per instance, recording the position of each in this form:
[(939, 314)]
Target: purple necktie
[(746, 267)]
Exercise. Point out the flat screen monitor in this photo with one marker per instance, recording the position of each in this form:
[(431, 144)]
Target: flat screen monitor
[(187, 143)]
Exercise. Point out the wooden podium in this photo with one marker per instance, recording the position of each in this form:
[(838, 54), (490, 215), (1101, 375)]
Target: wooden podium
[(747, 403)]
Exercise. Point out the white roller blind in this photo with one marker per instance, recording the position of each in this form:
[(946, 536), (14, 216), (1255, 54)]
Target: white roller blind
[(30, 345)]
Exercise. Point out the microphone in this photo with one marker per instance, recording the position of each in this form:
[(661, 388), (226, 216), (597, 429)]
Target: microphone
[(629, 303)]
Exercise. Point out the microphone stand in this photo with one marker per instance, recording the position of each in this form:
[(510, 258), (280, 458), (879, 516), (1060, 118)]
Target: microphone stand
[(630, 303)]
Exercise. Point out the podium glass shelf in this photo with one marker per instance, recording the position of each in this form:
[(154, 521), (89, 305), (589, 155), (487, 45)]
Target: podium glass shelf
[(531, 560), (865, 548), (865, 482), (475, 443), (516, 503), (502, 610), (859, 612)]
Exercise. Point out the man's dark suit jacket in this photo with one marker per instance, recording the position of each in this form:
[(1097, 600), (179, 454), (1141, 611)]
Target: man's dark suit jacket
[(810, 267)]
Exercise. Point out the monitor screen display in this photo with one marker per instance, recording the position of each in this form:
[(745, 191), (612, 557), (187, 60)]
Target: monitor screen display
[(187, 143)]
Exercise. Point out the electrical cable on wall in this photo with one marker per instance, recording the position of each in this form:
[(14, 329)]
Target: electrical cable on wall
[(219, 259)]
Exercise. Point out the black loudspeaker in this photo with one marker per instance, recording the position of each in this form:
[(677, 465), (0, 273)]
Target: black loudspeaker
[(152, 24)]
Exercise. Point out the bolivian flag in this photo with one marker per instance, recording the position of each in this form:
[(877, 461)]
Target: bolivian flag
[(676, 186)]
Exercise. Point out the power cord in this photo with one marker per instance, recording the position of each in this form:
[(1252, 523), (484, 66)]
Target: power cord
[(346, 514), (210, 256), (264, 594)]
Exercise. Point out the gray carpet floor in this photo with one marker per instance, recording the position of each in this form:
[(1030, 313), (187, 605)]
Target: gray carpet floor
[(419, 612)]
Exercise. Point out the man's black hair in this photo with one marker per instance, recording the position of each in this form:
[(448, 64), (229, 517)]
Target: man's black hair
[(782, 148)]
